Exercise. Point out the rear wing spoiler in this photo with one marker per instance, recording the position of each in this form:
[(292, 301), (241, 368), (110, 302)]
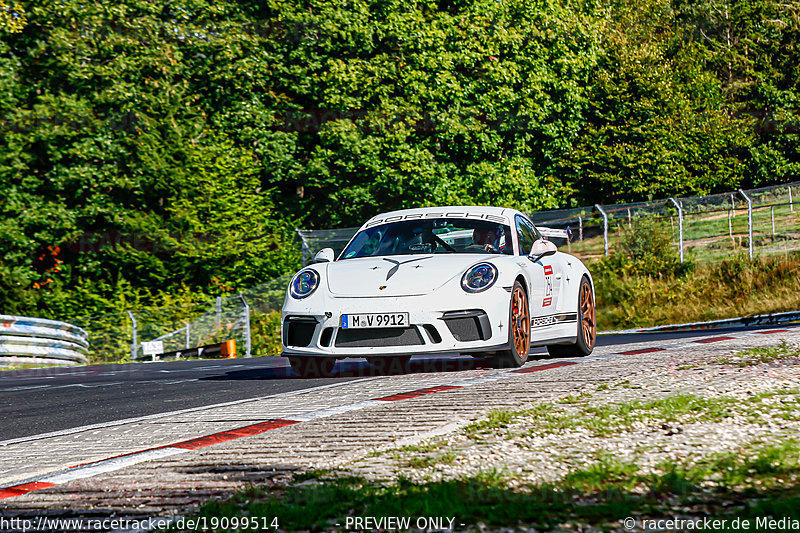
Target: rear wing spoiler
[(554, 233)]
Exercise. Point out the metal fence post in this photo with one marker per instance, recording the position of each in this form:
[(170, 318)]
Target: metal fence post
[(772, 217), (246, 316), (219, 311), (791, 206), (134, 343), (188, 342), (580, 228), (680, 225), (749, 220), (605, 227), (730, 227)]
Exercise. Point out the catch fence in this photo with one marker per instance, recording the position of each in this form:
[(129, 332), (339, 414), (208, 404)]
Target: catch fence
[(119, 336), (704, 228)]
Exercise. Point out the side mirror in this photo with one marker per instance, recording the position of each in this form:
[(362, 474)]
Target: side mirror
[(324, 256), (541, 248)]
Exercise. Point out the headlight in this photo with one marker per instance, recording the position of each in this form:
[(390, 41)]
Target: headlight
[(304, 284), (479, 277)]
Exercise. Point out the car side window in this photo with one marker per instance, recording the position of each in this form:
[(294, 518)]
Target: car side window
[(526, 235)]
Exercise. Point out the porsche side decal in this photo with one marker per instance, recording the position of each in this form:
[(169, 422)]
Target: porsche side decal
[(549, 320)]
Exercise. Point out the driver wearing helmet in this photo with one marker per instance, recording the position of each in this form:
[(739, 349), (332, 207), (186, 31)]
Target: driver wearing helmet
[(488, 239)]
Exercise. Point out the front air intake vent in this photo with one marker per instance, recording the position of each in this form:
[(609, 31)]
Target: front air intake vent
[(299, 331), (378, 337), (325, 338), (470, 325)]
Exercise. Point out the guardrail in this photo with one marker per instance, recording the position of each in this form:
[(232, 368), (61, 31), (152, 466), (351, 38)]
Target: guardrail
[(772, 319), (38, 340)]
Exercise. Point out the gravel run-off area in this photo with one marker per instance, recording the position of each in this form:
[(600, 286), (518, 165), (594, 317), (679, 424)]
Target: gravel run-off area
[(698, 404)]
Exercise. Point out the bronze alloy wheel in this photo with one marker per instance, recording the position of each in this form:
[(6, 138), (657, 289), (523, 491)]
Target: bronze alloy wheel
[(521, 321), (519, 331), (588, 321), (586, 331)]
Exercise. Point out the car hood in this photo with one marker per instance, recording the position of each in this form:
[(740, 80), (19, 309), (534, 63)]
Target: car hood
[(397, 275)]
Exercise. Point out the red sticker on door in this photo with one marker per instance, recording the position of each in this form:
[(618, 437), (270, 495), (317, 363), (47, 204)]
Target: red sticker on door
[(548, 270), (546, 302)]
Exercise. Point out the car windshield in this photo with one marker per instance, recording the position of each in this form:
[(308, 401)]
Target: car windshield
[(431, 236)]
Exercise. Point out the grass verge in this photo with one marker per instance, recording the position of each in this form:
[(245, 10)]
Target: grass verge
[(759, 355), (748, 483), (582, 412), (730, 288)]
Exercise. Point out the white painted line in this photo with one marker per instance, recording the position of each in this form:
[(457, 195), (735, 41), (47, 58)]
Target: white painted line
[(4, 375), (339, 409), (108, 465), (596, 357), (481, 379), (102, 466), (103, 425), (13, 389), (84, 386)]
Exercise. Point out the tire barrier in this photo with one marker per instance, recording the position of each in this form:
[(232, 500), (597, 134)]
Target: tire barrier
[(37, 340)]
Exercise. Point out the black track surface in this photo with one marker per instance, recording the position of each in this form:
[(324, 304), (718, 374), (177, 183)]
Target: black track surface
[(43, 400)]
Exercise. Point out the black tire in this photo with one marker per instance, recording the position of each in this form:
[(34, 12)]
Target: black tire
[(519, 330), (587, 326), (390, 364), (313, 367)]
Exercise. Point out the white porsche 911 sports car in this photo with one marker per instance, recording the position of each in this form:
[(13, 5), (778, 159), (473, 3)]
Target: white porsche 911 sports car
[(475, 280)]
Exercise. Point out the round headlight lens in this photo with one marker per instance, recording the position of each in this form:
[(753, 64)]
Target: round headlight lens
[(304, 284), (479, 277)]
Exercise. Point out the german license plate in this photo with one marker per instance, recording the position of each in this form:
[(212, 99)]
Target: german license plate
[(375, 320)]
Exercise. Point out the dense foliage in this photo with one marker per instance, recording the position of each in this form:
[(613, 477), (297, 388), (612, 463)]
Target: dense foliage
[(147, 146)]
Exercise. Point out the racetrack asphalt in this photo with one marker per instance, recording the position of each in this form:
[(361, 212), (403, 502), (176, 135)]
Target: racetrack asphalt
[(44, 400)]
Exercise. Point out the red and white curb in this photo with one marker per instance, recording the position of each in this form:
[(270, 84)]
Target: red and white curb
[(111, 464)]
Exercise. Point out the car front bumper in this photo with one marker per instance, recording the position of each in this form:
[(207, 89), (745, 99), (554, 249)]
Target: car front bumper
[(437, 324)]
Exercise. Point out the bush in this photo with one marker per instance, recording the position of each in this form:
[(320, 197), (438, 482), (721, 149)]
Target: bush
[(265, 329), (645, 250)]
